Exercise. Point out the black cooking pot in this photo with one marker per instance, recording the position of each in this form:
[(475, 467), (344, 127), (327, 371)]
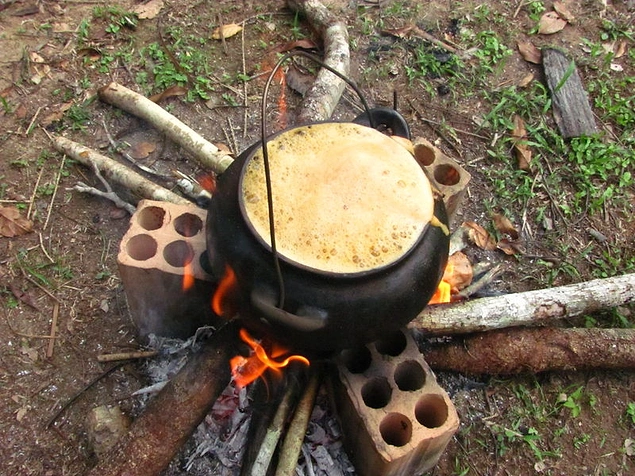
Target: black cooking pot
[(345, 281)]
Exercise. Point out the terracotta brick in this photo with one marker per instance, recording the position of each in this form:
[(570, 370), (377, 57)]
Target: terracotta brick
[(396, 419), (445, 174), (164, 242)]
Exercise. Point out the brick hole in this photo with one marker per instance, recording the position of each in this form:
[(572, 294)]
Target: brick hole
[(178, 253), (446, 174), (188, 224), (151, 218), (424, 154), (410, 376), (396, 429), (376, 392), (141, 247), (393, 344), (356, 360), (431, 411)]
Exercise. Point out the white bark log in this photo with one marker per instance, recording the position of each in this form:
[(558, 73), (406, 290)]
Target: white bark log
[(322, 98), (526, 309), (116, 172), (206, 153)]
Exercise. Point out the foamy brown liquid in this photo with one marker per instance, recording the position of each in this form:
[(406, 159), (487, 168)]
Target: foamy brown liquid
[(346, 198)]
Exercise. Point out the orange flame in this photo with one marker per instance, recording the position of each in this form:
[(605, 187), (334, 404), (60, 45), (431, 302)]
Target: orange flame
[(188, 277), (226, 285), (443, 293), (247, 369)]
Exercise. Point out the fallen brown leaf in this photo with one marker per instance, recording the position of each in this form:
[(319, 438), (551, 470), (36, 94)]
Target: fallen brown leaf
[(620, 48), (504, 225), (521, 150), (303, 44), (226, 31), (530, 52), (526, 81), (25, 297), (551, 23), (562, 10), (147, 11), (458, 272), (142, 150), (509, 247), (172, 91), (398, 32), (480, 236), (12, 223)]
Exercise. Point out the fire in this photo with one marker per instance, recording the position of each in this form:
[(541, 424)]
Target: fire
[(226, 285), (247, 369), (443, 293), (188, 277)]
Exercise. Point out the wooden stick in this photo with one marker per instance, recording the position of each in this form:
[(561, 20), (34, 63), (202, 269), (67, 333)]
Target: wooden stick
[(51, 345), (322, 98), (513, 351), (294, 437), (528, 308), (171, 417), (206, 153), (135, 354), (116, 172)]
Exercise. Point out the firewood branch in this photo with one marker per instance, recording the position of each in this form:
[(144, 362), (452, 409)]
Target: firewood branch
[(206, 153), (322, 98), (527, 308)]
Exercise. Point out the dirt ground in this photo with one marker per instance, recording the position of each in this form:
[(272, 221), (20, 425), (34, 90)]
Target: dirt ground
[(54, 57)]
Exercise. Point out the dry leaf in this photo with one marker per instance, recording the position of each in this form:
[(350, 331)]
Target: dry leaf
[(35, 58), (509, 247), (12, 223), (526, 81), (563, 11), (480, 236), (304, 44), (504, 225), (148, 11), (620, 48), (226, 31), (20, 295), (398, 32), (530, 52), (172, 91), (142, 150), (458, 272), (521, 150), (551, 23)]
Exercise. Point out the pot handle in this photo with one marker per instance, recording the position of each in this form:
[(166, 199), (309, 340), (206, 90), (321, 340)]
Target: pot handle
[(305, 323), (385, 117)]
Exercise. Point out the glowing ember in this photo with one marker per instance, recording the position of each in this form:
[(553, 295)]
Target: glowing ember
[(226, 285), (247, 369), (207, 181)]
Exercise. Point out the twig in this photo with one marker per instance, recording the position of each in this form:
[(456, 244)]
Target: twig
[(108, 194), (292, 445), (35, 187), (44, 249), (135, 354), (70, 401), (57, 183), (245, 98), (482, 282), (37, 113), (34, 282), (56, 311)]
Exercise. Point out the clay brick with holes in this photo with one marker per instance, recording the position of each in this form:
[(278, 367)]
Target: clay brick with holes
[(158, 255), (396, 419), (445, 174)]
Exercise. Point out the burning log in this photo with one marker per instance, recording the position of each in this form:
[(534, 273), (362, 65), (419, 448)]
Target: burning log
[(514, 351), (206, 153), (322, 98), (157, 435), (527, 308)]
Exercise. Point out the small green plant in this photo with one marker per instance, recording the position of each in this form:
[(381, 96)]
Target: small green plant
[(572, 401), (79, 116), (580, 441), (630, 412)]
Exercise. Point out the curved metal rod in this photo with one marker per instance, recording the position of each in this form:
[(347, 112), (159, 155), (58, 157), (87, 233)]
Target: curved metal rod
[(265, 153)]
